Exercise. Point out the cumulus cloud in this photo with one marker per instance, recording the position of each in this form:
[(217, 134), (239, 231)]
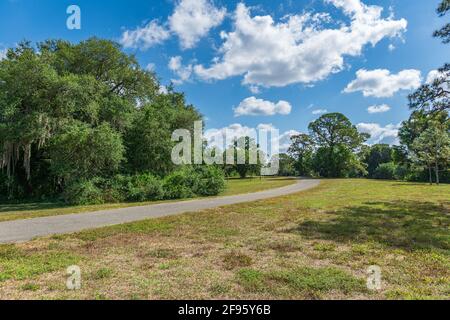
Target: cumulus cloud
[(319, 111), (379, 134), (298, 48), (259, 107), (192, 20), (145, 37), (380, 83), (183, 72), (379, 109)]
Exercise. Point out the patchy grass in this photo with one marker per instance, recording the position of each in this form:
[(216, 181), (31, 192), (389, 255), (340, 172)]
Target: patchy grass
[(10, 212), (316, 244)]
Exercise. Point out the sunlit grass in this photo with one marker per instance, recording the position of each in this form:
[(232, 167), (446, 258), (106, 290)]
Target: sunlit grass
[(316, 244)]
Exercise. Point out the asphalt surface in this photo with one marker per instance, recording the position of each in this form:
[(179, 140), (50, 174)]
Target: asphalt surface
[(28, 229)]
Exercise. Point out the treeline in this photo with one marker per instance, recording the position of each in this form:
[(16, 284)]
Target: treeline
[(334, 149), (84, 122)]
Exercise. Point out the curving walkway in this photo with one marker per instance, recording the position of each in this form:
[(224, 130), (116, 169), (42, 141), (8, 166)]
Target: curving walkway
[(24, 230)]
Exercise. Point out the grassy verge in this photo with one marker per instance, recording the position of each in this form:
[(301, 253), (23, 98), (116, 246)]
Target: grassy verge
[(313, 245), (10, 212)]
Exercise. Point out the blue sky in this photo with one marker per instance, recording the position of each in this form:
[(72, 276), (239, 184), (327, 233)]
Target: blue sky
[(280, 62)]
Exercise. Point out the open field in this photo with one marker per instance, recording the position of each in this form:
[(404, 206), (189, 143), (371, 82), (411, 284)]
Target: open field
[(9, 212), (315, 244)]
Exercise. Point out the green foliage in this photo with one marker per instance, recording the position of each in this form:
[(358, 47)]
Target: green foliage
[(376, 155), (74, 116), (83, 192), (247, 158), (336, 140), (210, 182), (144, 187), (302, 150), (385, 171), (81, 151)]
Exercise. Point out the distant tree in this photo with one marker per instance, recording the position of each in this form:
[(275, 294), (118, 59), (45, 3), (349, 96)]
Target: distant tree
[(247, 157), (337, 140), (432, 149), (418, 122), (377, 155), (286, 165), (444, 32), (301, 151), (435, 96)]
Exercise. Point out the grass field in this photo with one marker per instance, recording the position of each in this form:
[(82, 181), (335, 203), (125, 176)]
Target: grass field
[(316, 244), (10, 212)]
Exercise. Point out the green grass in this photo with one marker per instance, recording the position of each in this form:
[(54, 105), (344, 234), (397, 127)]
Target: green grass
[(10, 212), (316, 244)]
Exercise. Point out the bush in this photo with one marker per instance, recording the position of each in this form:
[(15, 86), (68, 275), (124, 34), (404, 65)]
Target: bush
[(385, 171), (83, 192), (144, 187), (401, 172), (184, 183), (211, 181), (181, 184)]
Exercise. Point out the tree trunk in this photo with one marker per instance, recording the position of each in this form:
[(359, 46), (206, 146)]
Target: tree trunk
[(436, 168), (430, 175)]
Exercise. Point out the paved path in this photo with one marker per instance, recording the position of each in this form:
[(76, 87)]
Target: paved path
[(24, 230)]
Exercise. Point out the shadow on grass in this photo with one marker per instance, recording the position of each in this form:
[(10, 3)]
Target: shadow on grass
[(407, 225), (13, 207)]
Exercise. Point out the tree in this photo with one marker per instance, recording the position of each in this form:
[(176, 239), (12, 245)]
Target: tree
[(247, 157), (78, 110), (301, 150), (432, 148), (377, 155), (435, 96), (336, 140), (148, 141), (287, 165), (444, 32)]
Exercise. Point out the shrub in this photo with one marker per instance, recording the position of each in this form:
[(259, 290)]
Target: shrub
[(144, 187), (385, 171), (181, 184), (401, 172), (83, 192), (211, 181)]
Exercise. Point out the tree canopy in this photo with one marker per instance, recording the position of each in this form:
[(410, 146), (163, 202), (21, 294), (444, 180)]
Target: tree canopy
[(72, 111)]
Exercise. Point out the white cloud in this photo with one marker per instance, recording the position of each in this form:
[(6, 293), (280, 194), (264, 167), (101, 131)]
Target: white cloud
[(145, 37), (297, 49), (163, 90), (259, 107), (215, 137), (391, 47), (192, 20), (183, 72), (319, 111), (379, 109), (380, 134), (3, 54), (380, 83)]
